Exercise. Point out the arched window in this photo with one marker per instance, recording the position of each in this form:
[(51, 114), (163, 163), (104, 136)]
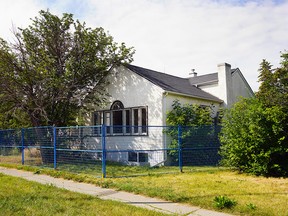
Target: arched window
[(117, 105)]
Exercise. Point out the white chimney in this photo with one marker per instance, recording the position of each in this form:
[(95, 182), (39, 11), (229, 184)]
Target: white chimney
[(225, 83)]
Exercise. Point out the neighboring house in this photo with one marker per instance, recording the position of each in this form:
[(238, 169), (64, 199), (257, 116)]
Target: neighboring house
[(141, 97)]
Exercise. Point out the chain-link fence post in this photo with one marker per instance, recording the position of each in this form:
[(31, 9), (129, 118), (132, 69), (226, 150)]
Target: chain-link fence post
[(103, 139), (54, 147), (22, 145), (180, 157)]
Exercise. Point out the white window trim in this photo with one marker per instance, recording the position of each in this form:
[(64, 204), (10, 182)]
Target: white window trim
[(109, 113)]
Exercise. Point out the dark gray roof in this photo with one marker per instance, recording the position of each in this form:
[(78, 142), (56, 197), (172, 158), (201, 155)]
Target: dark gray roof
[(172, 83), (207, 78)]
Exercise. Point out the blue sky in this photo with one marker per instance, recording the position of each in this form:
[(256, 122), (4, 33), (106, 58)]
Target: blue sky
[(174, 36)]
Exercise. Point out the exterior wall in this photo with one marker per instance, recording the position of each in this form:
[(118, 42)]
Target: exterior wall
[(118, 146), (240, 86), (213, 89), (134, 91), (171, 97)]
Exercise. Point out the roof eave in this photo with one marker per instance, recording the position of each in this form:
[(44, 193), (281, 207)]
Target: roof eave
[(192, 96), (206, 83)]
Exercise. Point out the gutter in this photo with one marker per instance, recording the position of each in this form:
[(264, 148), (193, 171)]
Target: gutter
[(186, 95), (205, 83)]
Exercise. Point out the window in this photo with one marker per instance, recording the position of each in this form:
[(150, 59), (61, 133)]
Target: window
[(123, 121), (138, 157), (128, 121), (132, 156), (144, 120), (143, 157), (135, 120)]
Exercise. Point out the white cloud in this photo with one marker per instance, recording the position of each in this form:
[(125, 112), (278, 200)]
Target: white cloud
[(175, 36), (17, 13)]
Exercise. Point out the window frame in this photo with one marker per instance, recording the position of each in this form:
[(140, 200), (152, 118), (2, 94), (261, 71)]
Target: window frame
[(137, 157), (134, 125)]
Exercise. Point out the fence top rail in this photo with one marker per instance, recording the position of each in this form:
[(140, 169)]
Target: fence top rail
[(5, 130), (99, 126), (78, 126), (40, 127)]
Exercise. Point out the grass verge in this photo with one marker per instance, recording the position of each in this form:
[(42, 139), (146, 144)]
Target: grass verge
[(200, 187), (22, 197)]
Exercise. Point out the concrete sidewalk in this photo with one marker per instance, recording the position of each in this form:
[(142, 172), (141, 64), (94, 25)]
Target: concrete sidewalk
[(102, 193)]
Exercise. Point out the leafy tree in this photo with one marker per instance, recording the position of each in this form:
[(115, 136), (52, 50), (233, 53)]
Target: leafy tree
[(189, 115), (55, 68), (267, 79), (15, 119), (273, 90), (193, 120), (253, 138), (254, 133)]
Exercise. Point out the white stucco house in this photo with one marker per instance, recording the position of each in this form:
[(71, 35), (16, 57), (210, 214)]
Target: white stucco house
[(141, 97)]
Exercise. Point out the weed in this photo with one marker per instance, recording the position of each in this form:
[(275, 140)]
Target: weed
[(251, 206), (37, 172), (224, 202), (104, 184)]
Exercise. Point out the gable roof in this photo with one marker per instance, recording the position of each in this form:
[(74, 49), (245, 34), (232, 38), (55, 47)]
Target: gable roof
[(172, 83)]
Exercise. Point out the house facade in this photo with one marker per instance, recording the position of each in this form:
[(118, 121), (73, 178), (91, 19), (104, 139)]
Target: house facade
[(140, 98)]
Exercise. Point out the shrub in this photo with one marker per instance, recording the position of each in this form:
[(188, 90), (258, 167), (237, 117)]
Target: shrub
[(253, 139)]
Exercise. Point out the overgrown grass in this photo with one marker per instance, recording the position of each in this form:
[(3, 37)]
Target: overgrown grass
[(21, 197), (198, 186), (113, 169)]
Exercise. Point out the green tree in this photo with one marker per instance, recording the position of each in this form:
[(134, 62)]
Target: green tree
[(253, 138), (189, 115), (14, 119), (55, 68), (273, 90), (254, 133), (267, 79), (195, 120)]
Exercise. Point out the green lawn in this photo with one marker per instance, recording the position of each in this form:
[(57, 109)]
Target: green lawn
[(254, 195), (198, 186), (21, 197)]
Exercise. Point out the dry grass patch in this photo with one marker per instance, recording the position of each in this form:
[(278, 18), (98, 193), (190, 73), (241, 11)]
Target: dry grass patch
[(254, 195)]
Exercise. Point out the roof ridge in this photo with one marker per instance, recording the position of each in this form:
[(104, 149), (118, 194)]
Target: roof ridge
[(155, 71)]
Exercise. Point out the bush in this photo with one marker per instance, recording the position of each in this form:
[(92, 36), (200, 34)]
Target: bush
[(253, 139)]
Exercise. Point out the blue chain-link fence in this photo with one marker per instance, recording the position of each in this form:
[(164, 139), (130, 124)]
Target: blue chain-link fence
[(112, 151)]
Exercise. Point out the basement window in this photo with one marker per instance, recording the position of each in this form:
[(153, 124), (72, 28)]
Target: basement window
[(138, 157)]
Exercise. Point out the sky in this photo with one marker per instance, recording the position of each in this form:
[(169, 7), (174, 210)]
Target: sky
[(176, 36)]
